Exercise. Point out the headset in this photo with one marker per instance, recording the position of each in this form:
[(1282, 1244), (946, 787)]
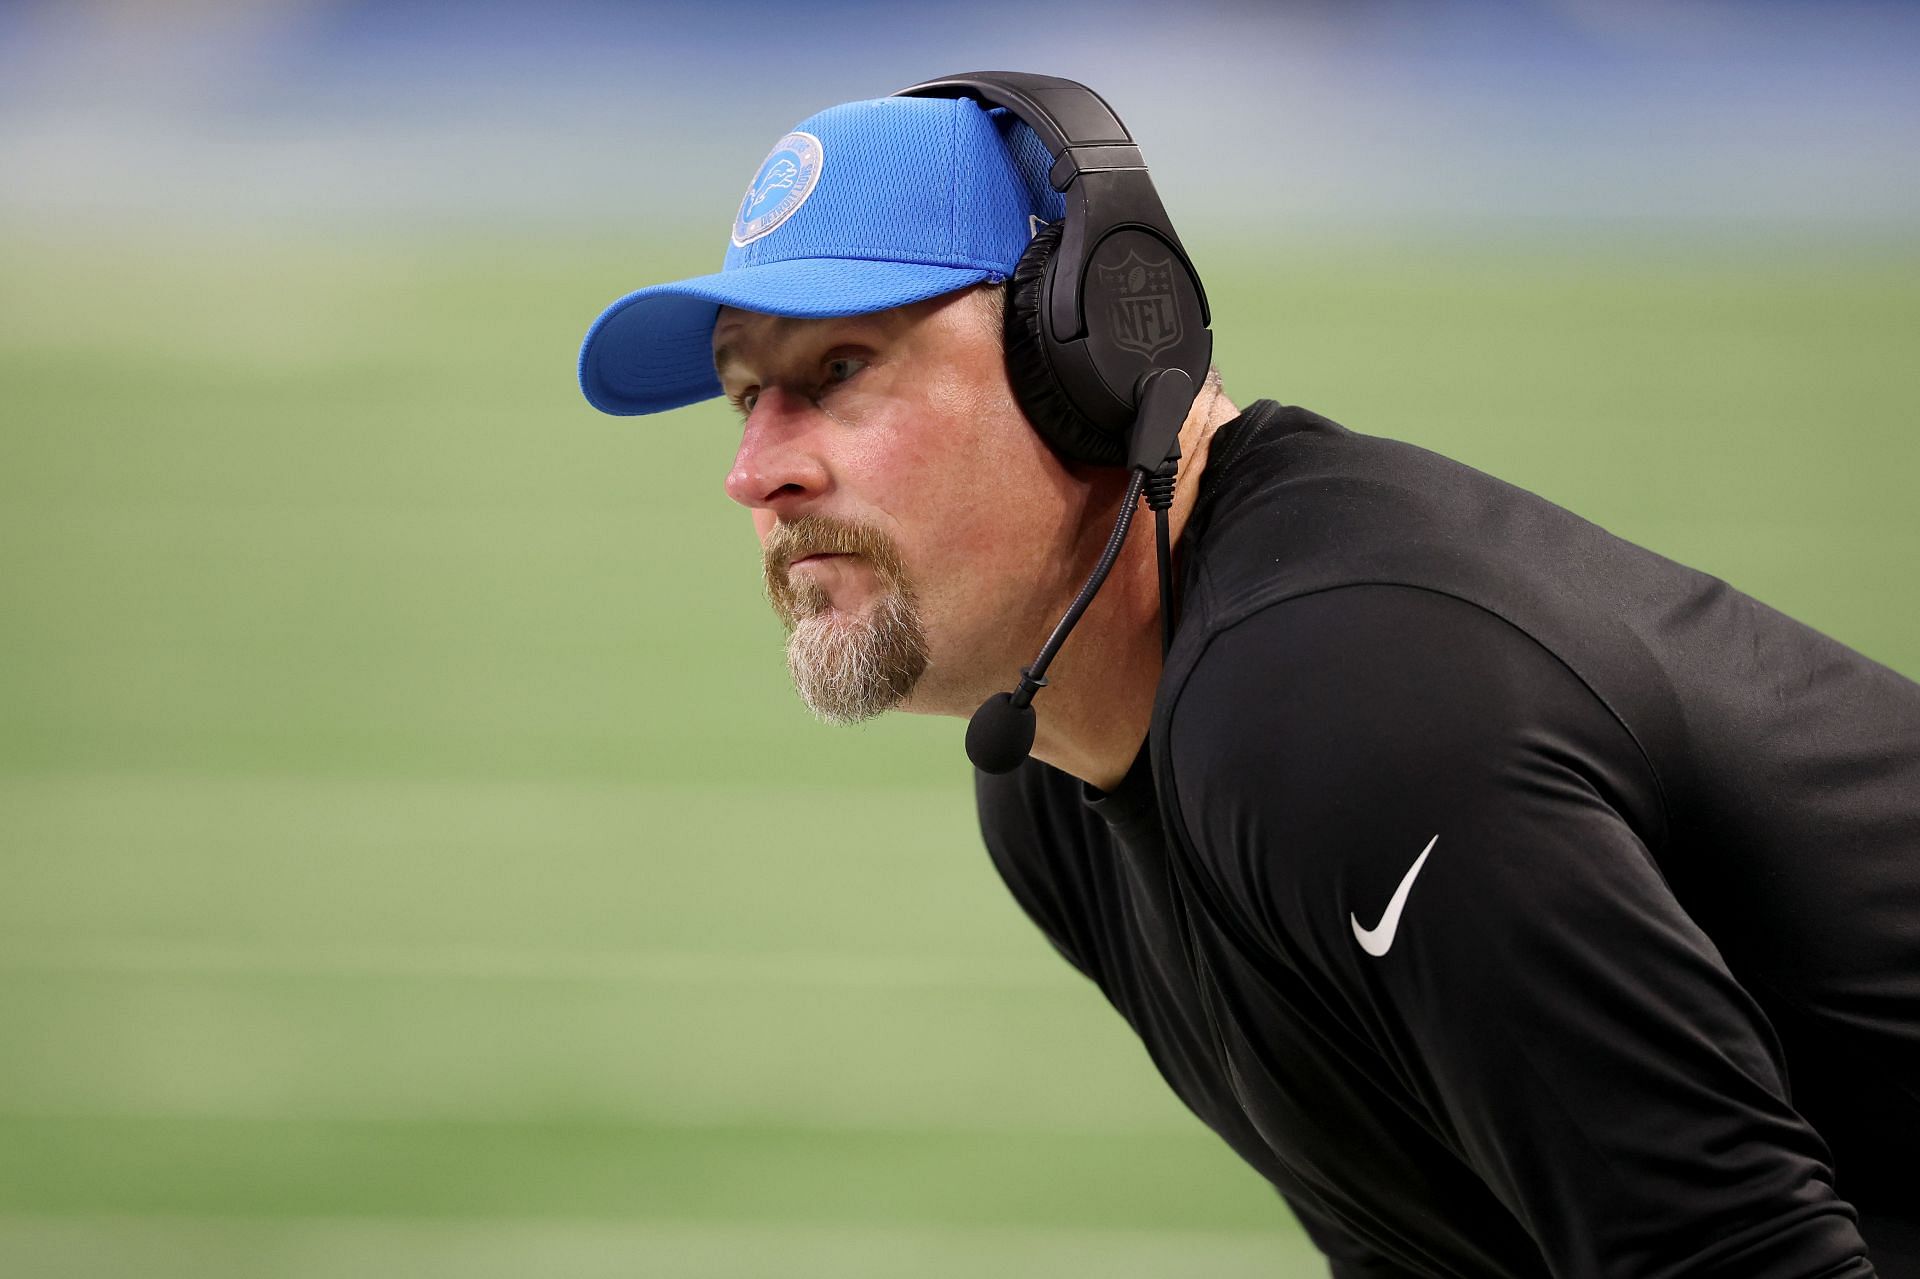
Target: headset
[(1102, 297), (1107, 341)]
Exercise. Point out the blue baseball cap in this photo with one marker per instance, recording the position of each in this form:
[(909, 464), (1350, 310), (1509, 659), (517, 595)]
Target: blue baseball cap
[(865, 206)]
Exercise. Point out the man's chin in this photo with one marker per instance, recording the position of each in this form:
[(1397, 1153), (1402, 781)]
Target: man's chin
[(849, 667)]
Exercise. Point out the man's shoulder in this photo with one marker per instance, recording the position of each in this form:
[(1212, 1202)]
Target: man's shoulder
[(1340, 666), (1294, 502), (1302, 507)]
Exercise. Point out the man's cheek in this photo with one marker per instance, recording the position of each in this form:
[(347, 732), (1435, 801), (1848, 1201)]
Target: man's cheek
[(972, 529)]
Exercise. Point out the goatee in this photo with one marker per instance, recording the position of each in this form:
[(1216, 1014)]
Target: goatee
[(846, 666)]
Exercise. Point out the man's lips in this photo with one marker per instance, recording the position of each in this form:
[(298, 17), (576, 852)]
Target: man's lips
[(814, 558)]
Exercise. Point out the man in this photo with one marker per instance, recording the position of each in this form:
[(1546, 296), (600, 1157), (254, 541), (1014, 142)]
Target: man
[(1516, 901)]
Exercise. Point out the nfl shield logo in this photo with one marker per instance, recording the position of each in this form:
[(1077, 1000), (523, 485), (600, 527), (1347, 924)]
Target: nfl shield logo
[(1140, 304)]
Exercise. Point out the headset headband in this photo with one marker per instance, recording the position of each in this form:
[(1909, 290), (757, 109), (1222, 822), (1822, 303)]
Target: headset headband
[(1096, 167)]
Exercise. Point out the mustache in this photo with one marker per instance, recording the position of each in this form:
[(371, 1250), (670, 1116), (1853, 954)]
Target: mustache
[(796, 539)]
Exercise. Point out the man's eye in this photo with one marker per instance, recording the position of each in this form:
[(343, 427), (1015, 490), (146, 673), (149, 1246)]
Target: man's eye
[(844, 367), (745, 401)]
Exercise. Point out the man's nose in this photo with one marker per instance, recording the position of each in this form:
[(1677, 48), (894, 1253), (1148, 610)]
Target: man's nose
[(778, 468)]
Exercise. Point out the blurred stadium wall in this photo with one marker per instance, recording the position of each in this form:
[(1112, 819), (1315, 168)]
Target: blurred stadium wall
[(1260, 118)]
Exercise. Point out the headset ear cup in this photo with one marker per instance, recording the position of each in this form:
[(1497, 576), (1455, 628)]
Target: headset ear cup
[(1046, 403)]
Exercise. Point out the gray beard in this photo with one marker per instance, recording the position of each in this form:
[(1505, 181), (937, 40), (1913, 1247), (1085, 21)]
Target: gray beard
[(850, 669), (846, 667)]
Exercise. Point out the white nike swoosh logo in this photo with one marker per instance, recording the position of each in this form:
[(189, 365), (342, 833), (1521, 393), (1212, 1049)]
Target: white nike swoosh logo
[(1376, 941)]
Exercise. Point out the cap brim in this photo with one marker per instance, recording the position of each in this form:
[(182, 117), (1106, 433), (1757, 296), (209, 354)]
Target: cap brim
[(652, 350)]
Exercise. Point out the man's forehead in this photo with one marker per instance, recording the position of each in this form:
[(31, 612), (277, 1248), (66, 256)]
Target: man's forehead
[(733, 319), (738, 332), (743, 335)]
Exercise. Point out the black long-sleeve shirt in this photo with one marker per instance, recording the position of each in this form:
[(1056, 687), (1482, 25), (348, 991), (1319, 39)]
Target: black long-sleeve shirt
[(1515, 900)]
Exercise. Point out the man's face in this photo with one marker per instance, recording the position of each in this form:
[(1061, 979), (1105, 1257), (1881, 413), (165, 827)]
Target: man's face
[(912, 522)]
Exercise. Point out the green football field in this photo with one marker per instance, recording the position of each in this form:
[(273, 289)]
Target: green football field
[(415, 864)]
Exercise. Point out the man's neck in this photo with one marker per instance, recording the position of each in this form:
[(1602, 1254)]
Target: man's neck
[(1099, 703)]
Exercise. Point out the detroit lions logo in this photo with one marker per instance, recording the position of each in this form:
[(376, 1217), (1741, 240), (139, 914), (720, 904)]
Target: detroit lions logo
[(786, 178), (782, 174)]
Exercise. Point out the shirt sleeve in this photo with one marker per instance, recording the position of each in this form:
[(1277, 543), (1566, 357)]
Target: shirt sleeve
[(1413, 802), (1347, 1257)]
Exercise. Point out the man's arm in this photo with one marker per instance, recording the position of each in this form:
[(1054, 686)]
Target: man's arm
[(1413, 801), (1347, 1257)]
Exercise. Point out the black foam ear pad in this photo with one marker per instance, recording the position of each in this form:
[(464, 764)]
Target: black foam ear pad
[(1042, 398)]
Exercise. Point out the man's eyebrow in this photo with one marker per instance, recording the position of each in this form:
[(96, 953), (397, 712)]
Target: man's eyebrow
[(723, 356)]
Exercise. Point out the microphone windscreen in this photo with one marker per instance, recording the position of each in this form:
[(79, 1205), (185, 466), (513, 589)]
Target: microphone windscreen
[(1000, 734)]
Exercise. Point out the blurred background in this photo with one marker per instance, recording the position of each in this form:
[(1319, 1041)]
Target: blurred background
[(412, 859)]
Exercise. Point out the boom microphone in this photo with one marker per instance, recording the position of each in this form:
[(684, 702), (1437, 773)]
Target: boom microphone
[(1000, 734)]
